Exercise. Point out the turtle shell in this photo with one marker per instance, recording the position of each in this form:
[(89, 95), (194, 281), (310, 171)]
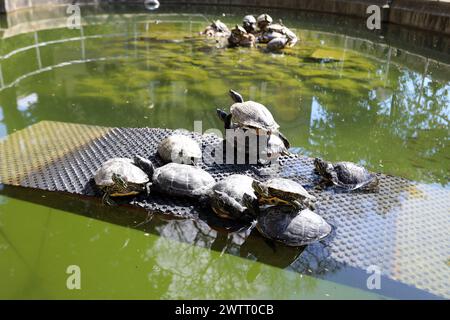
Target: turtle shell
[(280, 186), (179, 148), (123, 167), (182, 180), (228, 194), (350, 173), (253, 115), (292, 227)]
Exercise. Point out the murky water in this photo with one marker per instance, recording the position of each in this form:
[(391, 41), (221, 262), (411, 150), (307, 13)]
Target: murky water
[(334, 96)]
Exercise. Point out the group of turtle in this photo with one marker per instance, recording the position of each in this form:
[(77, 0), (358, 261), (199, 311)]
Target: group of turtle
[(280, 208), (253, 31)]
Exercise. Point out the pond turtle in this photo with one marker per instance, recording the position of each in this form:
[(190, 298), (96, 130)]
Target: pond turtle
[(121, 177), (239, 37), (346, 175), (281, 191), (275, 145), (179, 148), (253, 115), (228, 194), (217, 29), (183, 180), (249, 24), (263, 21), (291, 226)]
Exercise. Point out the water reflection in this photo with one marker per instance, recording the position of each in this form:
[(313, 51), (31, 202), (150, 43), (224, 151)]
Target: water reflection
[(370, 103)]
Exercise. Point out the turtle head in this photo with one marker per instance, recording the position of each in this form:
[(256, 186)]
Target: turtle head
[(119, 182), (225, 117), (236, 96), (260, 189), (145, 165), (322, 167)]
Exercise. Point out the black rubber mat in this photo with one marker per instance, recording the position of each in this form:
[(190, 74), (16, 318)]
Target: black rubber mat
[(402, 230)]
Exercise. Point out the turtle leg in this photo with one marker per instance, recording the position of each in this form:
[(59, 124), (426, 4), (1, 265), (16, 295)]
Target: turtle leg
[(147, 188), (106, 199)]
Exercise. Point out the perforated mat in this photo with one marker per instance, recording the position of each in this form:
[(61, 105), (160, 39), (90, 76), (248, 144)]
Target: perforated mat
[(403, 229)]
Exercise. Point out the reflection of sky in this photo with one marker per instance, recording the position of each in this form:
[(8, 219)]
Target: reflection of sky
[(318, 113), (3, 130), (23, 103)]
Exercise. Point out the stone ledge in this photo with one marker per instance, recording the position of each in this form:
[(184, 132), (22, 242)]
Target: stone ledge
[(428, 15)]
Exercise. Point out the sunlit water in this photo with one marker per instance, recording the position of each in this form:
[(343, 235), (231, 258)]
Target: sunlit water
[(334, 96)]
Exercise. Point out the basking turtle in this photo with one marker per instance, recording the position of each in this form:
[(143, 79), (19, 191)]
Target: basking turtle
[(239, 37), (281, 191), (183, 180), (291, 226), (227, 197), (121, 177), (179, 148), (249, 24), (346, 175), (263, 21), (275, 145), (216, 29), (253, 115)]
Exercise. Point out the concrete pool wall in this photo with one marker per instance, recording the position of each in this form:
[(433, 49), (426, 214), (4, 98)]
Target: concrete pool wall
[(432, 15)]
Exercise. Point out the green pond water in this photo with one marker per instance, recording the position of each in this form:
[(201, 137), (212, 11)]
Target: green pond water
[(335, 96)]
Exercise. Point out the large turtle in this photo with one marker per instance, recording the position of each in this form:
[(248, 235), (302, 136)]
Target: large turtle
[(179, 148), (228, 194), (281, 191), (183, 180), (275, 145), (346, 175), (291, 226), (253, 115), (121, 177)]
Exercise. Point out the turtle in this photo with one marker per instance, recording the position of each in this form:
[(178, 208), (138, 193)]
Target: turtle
[(282, 191), (239, 37), (121, 177), (183, 180), (346, 175), (291, 226), (180, 148), (263, 21), (252, 115), (216, 29), (275, 145), (227, 197), (285, 31), (249, 24)]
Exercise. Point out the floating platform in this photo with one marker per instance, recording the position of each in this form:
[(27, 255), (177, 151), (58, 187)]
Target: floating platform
[(402, 230)]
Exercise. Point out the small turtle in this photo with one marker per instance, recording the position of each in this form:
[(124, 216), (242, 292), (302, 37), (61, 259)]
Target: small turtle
[(291, 226), (253, 115), (249, 24), (275, 145), (216, 29), (346, 175), (183, 180), (227, 197), (121, 177), (179, 148), (281, 191), (285, 31), (263, 21), (241, 38)]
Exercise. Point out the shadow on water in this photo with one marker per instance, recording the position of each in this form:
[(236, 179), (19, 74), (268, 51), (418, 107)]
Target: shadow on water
[(221, 236)]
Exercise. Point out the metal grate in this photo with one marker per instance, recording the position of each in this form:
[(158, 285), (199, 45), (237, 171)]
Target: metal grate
[(402, 229)]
